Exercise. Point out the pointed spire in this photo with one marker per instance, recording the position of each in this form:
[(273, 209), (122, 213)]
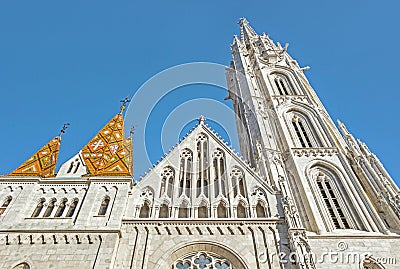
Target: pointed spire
[(246, 31), (343, 128), (106, 153), (42, 163)]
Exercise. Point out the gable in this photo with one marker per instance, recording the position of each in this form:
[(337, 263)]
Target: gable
[(202, 171)]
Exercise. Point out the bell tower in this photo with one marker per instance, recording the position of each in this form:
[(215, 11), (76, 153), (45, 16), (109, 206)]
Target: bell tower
[(333, 182)]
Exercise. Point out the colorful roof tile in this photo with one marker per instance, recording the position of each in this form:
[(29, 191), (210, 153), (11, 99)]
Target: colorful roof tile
[(42, 163), (108, 153)]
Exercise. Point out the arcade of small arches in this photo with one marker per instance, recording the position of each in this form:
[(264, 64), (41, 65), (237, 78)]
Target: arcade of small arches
[(47, 210)]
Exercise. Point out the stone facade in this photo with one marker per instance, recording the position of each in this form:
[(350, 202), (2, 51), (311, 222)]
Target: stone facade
[(303, 195)]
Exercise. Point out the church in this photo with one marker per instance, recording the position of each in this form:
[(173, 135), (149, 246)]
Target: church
[(304, 193)]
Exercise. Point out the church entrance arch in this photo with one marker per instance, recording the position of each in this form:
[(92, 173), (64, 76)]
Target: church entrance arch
[(205, 255)]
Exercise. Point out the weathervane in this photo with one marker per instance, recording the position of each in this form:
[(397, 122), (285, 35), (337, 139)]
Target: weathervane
[(132, 130), (124, 102), (64, 128)]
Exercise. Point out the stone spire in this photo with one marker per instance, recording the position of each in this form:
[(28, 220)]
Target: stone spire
[(246, 31)]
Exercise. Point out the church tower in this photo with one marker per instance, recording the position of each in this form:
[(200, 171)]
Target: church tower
[(336, 184)]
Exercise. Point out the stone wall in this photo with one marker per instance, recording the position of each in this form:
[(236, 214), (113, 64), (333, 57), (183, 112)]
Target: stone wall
[(58, 250)]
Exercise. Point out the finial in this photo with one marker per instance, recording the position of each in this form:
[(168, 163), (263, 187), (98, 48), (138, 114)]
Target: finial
[(64, 128), (124, 102), (202, 119), (242, 21), (343, 128)]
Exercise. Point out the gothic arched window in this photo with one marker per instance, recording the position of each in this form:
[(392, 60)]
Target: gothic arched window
[(202, 212), (61, 208), (72, 208), (49, 208), (5, 205), (202, 163), (38, 208), (104, 206), (219, 173), (167, 181), (164, 211), (331, 202), (185, 172), (304, 133), (183, 212), (145, 210), (241, 211), (238, 182), (202, 260), (221, 211), (260, 210), (283, 85)]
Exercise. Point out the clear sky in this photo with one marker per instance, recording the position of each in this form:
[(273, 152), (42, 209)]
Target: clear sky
[(72, 61)]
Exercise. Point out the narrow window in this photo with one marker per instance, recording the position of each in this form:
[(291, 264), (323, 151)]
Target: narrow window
[(180, 187), (205, 187), (216, 187), (183, 212), (223, 188), (167, 181), (241, 187), (71, 209), (202, 212), (241, 211), (202, 156), (169, 187), (49, 209), (185, 172), (305, 134), (61, 209), (299, 136), (144, 211), (164, 211), (162, 189), (104, 206), (283, 86), (187, 188), (5, 205), (260, 210), (77, 167), (219, 172), (198, 187), (278, 87), (38, 209), (70, 168), (337, 206), (221, 211), (332, 204), (235, 187)]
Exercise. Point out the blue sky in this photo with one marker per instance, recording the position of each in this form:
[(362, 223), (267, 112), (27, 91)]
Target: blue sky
[(72, 61)]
